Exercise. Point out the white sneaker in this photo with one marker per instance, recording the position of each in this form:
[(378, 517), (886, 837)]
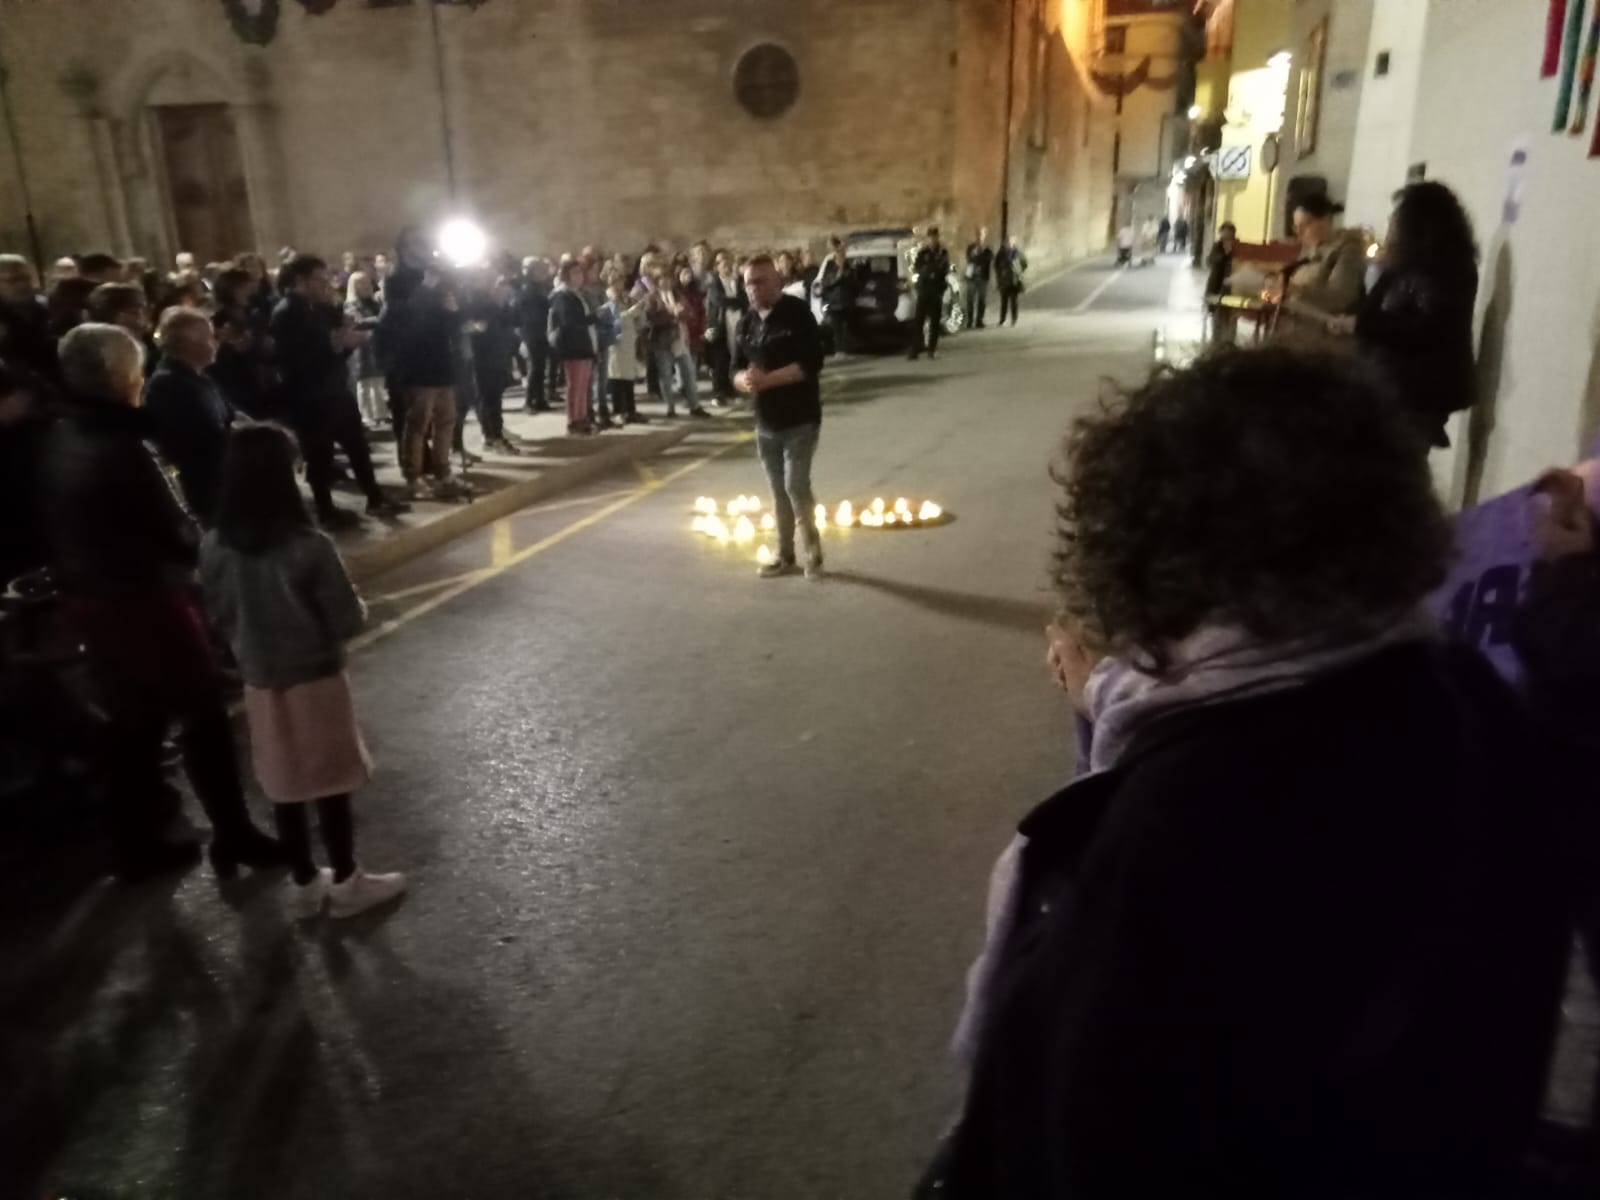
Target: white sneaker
[(362, 891), (814, 568), (303, 902)]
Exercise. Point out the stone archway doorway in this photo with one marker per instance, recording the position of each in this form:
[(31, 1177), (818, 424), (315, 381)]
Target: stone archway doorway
[(205, 181)]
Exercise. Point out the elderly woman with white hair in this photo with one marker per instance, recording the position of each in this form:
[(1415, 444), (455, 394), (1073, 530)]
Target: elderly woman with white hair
[(123, 550)]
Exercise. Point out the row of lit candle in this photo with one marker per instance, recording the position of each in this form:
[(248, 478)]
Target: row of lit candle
[(709, 516)]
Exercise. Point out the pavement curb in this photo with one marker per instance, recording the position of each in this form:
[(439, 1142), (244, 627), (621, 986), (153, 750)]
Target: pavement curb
[(406, 544)]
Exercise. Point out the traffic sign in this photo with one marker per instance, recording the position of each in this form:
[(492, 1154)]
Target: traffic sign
[(1233, 162), (1271, 152)]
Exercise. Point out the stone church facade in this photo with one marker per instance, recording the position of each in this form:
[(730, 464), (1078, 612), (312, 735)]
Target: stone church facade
[(149, 126)]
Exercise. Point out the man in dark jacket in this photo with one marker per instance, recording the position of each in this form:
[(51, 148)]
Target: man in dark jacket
[(123, 550), (837, 289), (779, 359), (533, 321), (427, 326), (311, 376), (191, 416), (930, 276), (980, 265)]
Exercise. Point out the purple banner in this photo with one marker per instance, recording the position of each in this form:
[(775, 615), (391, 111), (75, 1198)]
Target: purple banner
[(1495, 539)]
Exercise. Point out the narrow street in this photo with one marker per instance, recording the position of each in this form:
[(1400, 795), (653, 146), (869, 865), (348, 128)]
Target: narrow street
[(698, 859)]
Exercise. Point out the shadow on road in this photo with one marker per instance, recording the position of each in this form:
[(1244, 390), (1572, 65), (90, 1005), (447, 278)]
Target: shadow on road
[(1022, 616)]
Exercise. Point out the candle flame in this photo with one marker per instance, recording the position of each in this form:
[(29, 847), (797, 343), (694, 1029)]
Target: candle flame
[(929, 511), (744, 531), (764, 556), (706, 506), (902, 506), (716, 528), (768, 521), (877, 506)]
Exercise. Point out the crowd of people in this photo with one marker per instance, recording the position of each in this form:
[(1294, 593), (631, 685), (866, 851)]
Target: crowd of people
[(150, 436)]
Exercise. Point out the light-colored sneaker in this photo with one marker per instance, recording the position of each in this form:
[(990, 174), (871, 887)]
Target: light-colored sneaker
[(303, 902), (418, 489), (814, 568), (363, 891)]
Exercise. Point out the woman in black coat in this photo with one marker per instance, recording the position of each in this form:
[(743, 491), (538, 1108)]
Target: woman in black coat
[(572, 341), (1299, 932), (1416, 320)]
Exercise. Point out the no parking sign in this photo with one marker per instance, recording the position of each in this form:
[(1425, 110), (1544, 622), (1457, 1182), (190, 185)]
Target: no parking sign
[(1233, 162)]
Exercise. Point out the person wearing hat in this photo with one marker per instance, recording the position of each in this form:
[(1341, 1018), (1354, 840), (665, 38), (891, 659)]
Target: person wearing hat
[(1327, 282), (930, 275)]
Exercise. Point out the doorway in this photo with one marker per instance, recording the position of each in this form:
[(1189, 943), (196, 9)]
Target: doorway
[(205, 180)]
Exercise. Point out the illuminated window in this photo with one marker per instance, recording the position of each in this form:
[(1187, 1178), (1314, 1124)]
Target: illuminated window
[(1116, 39)]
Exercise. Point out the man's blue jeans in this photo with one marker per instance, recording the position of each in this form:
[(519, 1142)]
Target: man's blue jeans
[(599, 390), (787, 454)]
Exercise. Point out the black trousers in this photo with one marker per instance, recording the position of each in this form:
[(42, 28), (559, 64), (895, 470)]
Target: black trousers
[(1009, 302), (318, 433), (491, 412), (541, 369), (720, 359), (139, 799), (623, 403), (977, 302), (930, 324)]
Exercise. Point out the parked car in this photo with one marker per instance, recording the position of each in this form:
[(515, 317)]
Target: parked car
[(881, 307)]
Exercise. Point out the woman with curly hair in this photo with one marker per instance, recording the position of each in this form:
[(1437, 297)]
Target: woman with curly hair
[(1416, 322), (1296, 933)]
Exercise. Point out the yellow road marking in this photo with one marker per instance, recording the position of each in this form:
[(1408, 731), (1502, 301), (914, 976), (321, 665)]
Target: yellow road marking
[(419, 589), (471, 580), (579, 502), (500, 545)]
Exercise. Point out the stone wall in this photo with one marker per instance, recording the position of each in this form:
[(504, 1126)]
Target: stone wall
[(572, 121)]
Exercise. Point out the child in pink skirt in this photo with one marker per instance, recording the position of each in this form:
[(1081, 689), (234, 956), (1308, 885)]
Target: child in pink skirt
[(277, 591)]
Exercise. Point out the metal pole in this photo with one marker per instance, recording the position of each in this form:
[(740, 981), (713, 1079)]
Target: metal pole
[(22, 172), (1011, 100), (444, 102)]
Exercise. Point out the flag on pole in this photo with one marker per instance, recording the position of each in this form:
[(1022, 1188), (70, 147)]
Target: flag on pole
[(1571, 40), (1586, 65), (1552, 39)]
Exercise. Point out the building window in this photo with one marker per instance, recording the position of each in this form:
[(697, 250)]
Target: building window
[(1116, 39), (1308, 107), (767, 81)]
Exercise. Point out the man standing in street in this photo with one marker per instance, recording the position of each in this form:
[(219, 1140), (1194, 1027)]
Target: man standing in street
[(930, 275), (533, 318), (725, 304), (837, 292), (1010, 264), (980, 264), (779, 357)]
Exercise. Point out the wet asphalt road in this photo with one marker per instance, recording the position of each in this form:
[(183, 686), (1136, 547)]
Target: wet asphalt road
[(698, 859)]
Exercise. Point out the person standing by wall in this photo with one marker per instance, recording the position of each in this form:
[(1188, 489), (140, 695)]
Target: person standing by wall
[(930, 276), (1416, 322), (980, 266), (1010, 265), (362, 308), (278, 593), (572, 340), (493, 321), (1328, 281), (533, 316), (622, 371), (837, 292), (779, 361)]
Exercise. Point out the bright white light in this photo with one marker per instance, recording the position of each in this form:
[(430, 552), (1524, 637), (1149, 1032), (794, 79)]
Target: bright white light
[(1190, 161), (1195, 112), (1281, 60), (463, 242)]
